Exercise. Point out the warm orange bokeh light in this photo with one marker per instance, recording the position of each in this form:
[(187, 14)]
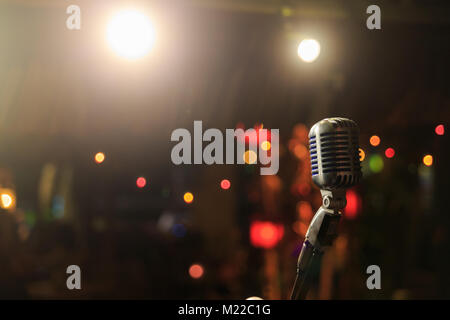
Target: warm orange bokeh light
[(7, 199), (196, 271), (428, 160), (362, 155), (99, 157), (188, 197), (375, 140), (250, 157)]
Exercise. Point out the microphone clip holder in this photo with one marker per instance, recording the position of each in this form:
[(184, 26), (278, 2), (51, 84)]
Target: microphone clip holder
[(321, 233)]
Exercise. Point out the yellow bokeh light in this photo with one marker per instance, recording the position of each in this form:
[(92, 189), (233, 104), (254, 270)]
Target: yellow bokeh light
[(308, 50), (265, 145), (375, 140), (428, 160), (99, 157), (362, 155), (130, 34), (250, 157), (188, 197), (7, 199)]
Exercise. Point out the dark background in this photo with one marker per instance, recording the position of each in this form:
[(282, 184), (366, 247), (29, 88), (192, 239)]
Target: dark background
[(64, 96)]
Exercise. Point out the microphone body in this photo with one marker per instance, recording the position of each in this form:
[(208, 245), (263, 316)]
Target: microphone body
[(335, 166)]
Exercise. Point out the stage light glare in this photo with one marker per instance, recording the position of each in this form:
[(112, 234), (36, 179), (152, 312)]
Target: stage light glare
[(130, 34), (308, 50)]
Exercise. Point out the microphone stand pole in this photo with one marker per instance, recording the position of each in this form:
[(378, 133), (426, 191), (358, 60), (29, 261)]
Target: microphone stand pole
[(321, 233)]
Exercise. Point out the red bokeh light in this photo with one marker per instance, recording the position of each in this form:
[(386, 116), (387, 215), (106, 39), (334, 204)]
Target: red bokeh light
[(225, 184), (265, 234), (440, 130), (196, 271), (389, 153), (141, 182), (354, 204)]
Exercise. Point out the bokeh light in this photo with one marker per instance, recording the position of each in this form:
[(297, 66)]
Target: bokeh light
[(376, 163), (188, 197), (362, 155), (428, 160), (353, 206), (7, 199), (389, 153), (308, 50), (130, 34), (196, 271), (254, 298), (99, 157), (375, 140), (265, 234), (250, 157), (225, 184), (265, 145), (141, 182), (440, 130)]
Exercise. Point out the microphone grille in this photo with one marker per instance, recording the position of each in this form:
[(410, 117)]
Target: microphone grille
[(334, 151)]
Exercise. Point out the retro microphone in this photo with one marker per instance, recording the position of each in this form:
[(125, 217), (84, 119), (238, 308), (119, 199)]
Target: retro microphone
[(335, 166)]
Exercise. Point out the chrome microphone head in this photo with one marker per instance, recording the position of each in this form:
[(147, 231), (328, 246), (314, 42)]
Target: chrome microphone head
[(334, 151)]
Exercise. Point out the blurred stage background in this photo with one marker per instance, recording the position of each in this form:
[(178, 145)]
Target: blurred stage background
[(65, 97)]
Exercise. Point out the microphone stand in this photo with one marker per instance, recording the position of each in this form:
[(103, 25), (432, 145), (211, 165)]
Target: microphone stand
[(321, 233)]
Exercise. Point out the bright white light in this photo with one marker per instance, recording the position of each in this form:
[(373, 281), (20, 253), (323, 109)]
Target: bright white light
[(130, 34), (308, 50)]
